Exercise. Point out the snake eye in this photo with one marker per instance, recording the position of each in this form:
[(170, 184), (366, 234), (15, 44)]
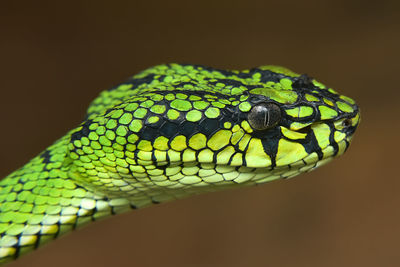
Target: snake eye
[(264, 116)]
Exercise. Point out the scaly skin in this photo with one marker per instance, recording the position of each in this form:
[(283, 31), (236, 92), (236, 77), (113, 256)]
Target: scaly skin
[(169, 132)]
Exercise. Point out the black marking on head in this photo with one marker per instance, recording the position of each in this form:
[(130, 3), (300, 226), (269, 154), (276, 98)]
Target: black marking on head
[(188, 128), (209, 126), (168, 129), (182, 84), (149, 133), (270, 140), (228, 82), (84, 132), (270, 76), (161, 167), (310, 144), (199, 93), (332, 141), (303, 81), (45, 156)]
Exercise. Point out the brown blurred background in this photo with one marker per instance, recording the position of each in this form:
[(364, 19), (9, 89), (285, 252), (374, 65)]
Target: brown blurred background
[(55, 58)]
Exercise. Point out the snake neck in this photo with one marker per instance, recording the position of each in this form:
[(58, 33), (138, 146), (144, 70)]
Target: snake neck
[(40, 202)]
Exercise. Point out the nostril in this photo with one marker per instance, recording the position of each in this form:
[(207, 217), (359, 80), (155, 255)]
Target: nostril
[(347, 123)]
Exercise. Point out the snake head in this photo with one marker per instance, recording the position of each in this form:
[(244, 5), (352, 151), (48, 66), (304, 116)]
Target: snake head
[(176, 130), (300, 123)]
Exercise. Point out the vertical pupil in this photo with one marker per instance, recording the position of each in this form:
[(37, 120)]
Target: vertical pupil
[(266, 116)]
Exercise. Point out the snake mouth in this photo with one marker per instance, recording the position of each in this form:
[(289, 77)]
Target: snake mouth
[(313, 160), (331, 139), (306, 164)]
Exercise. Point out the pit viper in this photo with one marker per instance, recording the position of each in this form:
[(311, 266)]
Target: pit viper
[(169, 132)]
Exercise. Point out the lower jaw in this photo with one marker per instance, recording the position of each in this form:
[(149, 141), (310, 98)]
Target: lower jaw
[(309, 163)]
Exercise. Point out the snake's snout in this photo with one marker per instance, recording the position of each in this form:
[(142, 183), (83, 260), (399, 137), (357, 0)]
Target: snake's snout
[(350, 124), (351, 121)]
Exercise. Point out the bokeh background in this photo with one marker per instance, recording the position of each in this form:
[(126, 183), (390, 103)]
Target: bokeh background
[(57, 56)]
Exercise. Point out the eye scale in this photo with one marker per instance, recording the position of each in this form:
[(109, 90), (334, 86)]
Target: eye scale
[(169, 132)]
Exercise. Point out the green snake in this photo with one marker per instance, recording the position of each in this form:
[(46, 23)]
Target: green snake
[(169, 132)]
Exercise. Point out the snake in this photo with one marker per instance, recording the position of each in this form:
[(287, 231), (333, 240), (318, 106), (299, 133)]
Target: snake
[(169, 132)]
